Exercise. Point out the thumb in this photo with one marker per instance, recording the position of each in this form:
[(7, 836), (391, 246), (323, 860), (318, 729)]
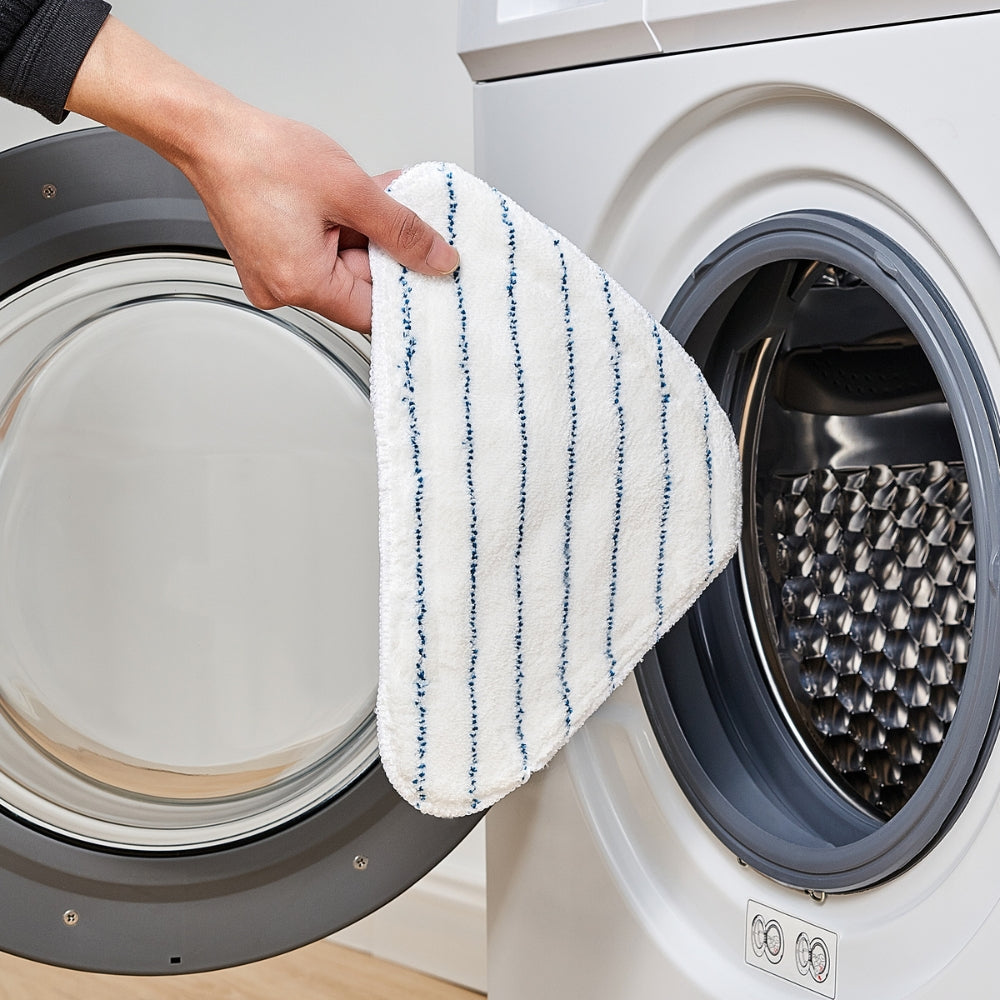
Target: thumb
[(401, 233)]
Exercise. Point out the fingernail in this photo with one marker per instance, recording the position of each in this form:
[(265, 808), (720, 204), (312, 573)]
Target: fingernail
[(442, 257)]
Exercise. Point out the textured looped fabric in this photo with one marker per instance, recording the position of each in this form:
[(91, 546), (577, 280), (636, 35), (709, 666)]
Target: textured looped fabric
[(557, 485)]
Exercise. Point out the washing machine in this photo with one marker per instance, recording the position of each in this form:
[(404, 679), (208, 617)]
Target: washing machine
[(796, 793), (190, 771)]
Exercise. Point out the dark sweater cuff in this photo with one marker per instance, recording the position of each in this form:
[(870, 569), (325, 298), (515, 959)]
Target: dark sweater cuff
[(14, 15), (39, 69)]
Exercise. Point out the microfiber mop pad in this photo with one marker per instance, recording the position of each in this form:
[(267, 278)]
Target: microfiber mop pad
[(557, 485)]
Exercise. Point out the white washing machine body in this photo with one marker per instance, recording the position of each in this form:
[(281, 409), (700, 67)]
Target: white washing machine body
[(664, 853)]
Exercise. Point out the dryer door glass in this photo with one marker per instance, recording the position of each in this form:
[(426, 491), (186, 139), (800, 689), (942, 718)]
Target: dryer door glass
[(827, 704)]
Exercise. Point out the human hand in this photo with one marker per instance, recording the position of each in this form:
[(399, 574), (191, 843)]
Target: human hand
[(295, 212), (293, 209)]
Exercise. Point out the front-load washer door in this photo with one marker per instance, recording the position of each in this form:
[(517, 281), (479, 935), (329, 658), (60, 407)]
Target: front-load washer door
[(189, 770), (830, 703)]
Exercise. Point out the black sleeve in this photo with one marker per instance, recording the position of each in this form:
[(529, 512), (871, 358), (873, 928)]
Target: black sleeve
[(14, 15), (42, 44)]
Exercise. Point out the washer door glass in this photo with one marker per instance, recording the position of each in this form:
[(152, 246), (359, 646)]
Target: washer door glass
[(188, 594), (829, 703)]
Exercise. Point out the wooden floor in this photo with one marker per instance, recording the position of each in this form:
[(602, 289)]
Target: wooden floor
[(322, 971)]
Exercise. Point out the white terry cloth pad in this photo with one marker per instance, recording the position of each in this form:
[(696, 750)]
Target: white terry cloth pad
[(557, 485)]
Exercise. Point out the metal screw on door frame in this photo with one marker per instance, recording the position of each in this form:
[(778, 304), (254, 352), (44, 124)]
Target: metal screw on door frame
[(49, 191), (71, 918), (361, 862)]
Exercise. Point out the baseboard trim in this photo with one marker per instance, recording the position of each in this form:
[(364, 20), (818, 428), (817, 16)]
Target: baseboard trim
[(437, 927)]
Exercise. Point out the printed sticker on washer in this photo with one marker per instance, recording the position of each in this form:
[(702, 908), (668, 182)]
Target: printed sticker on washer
[(791, 949)]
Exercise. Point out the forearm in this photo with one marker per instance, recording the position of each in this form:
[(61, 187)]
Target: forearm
[(290, 205), (127, 83)]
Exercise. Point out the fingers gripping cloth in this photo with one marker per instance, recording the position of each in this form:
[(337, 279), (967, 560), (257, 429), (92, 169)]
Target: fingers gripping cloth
[(557, 485)]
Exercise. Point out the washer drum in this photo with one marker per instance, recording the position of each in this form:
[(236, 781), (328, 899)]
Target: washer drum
[(829, 704)]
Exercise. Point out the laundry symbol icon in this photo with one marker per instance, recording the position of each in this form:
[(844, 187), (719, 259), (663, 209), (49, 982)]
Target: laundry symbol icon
[(812, 958), (767, 939)]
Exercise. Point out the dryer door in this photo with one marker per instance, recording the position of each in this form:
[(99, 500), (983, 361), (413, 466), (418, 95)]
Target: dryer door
[(189, 772)]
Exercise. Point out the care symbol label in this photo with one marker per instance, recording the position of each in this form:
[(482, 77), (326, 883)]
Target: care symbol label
[(792, 949)]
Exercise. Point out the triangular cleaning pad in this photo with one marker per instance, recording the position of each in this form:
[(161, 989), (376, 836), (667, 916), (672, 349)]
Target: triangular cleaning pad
[(557, 485)]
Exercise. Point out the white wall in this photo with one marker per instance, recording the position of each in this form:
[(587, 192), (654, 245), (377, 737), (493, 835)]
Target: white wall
[(381, 77)]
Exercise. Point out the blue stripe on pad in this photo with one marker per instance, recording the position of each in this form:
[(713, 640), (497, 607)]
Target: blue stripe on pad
[(409, 399), (667, 475), (470, 454), (616, 355), (570, 477), (708, 471), (522, 492)]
